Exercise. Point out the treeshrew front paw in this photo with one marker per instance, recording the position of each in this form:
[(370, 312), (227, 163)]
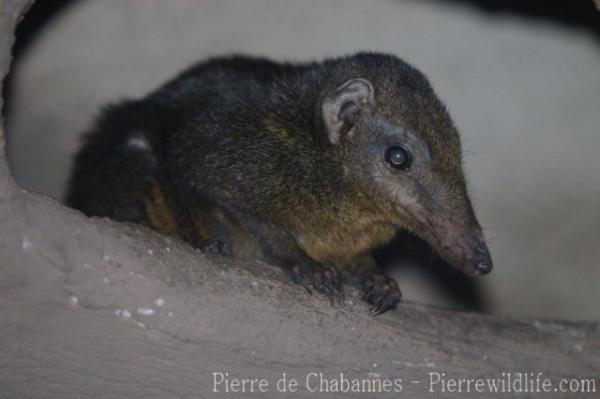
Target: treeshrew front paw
[(381, 292)]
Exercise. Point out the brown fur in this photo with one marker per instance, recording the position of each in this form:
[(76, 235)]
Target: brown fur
[(291, 163)]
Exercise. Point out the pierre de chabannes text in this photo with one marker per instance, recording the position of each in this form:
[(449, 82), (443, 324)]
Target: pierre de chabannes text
[(440, 382)]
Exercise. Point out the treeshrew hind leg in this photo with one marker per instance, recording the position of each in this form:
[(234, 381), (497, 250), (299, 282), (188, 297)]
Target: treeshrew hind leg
[(322, 278)]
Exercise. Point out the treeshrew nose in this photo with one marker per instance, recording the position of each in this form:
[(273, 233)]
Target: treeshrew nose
[(482, 259)]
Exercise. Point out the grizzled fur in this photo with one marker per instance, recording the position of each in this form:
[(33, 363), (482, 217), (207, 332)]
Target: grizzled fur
[(286, 161)]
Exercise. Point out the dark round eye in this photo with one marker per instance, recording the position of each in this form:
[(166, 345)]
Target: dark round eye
[(398, 157)]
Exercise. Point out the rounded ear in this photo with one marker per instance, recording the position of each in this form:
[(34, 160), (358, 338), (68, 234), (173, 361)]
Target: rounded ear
[(343, 107)]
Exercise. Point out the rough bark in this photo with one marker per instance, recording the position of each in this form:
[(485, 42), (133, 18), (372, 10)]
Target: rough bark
[(93, 308)]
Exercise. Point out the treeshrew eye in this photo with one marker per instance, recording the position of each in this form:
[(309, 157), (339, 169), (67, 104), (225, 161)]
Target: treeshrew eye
[(398, 156)]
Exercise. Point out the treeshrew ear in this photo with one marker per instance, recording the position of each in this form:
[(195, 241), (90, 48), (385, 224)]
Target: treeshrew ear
[(343, 107)]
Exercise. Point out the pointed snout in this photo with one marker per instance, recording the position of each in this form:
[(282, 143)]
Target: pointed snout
[(480, 262), (457, 238), (463, 246)]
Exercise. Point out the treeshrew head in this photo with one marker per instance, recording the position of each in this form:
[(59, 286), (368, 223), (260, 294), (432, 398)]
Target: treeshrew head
[(399, 144)]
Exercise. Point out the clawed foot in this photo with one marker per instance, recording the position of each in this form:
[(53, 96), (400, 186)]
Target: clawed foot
[(216, 247), (381, 292), (321, 278)]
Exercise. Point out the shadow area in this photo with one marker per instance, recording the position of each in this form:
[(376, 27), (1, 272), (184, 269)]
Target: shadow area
[(409, 253), (574, 14), (37, 18)]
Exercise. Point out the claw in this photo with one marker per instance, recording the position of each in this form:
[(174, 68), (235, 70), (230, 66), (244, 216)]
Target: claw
[(380, 311), (299, 278), (319, 278), (307, 287), (382, 307), (341, 294), (376, 309), (381, 292)]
